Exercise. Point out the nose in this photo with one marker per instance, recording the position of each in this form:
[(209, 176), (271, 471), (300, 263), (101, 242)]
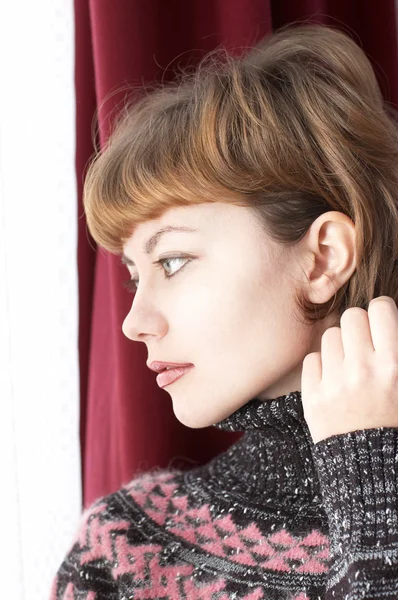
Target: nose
[(133, 328), (142, 323), (125, 328)]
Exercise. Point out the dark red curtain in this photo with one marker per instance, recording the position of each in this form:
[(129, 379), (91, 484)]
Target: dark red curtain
[(127, 423)]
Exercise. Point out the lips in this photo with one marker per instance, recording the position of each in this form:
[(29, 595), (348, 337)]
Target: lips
[(168, 376), (159, 366)]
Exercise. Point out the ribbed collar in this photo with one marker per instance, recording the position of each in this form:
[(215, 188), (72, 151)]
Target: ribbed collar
[(273, 459), (281, 413)]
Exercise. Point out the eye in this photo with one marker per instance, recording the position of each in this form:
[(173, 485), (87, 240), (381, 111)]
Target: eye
[(131, 284)]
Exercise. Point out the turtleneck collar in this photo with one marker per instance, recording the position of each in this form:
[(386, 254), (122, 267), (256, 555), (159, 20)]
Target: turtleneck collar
[(265, 414), (273, 459)]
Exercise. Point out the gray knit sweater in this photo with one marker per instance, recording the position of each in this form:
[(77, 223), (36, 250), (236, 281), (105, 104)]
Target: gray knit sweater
[(275, 517)]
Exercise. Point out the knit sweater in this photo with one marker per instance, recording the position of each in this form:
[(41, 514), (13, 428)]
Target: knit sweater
[(274, 517)]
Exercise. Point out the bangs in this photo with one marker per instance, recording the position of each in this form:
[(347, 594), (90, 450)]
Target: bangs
[(166, 151)]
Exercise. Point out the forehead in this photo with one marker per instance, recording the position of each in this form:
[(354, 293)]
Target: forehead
[(146, 235), (195, 216), (208, 219), (206, 216)]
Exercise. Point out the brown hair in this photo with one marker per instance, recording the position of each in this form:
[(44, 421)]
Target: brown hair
[(293, 129)]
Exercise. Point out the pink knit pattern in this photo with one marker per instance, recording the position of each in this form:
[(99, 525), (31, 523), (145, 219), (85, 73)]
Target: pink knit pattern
[(222, 537), (280, 551)]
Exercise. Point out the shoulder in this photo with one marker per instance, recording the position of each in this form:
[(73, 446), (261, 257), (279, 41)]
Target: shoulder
[(110, 528), (149, 494)]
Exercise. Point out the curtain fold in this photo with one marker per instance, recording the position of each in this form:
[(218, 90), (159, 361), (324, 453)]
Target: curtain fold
[(127, 422)]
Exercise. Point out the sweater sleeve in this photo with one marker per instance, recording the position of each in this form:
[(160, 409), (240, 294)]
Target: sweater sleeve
[(358, 474)]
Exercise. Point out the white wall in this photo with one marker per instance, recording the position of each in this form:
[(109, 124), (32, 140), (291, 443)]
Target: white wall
[(40, 491)]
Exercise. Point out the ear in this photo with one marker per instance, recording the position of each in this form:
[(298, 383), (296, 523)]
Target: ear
[(329, 257)]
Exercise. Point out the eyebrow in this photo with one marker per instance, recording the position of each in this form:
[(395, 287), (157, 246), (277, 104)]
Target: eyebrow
[(150, 244)]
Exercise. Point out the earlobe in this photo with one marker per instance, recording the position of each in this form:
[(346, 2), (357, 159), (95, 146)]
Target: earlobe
[(330, 242)]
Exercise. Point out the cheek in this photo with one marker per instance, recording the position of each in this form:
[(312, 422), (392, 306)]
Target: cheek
[(200, 309), (232, 309), (220, 317)]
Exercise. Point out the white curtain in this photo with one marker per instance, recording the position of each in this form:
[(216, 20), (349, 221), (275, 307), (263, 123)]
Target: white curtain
[(40, 489)]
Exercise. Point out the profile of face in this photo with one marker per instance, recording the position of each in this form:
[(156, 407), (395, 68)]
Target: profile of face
[(228, 308)]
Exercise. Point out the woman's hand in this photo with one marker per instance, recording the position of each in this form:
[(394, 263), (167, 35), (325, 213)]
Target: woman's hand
[(353, 382)]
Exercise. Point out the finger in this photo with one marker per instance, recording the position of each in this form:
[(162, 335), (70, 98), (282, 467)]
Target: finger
[(332, 352), (383, 323), (311, 374), (355, 334)]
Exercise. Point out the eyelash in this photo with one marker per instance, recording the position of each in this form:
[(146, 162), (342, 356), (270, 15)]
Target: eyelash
[(130, 284)]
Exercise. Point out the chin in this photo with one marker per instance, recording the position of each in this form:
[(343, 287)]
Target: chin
[(193, 423), (192, 420)]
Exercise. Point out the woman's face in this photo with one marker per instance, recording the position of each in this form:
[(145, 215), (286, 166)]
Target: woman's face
[(229, 310)]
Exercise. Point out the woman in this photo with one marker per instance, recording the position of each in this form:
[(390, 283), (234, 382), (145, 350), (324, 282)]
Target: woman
[(257, 200)]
